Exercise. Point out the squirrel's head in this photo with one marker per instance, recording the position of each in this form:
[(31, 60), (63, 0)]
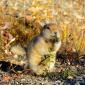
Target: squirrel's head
[(51, 32)]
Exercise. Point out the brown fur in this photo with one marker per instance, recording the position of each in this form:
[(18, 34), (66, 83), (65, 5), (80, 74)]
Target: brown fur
[(39, 47)]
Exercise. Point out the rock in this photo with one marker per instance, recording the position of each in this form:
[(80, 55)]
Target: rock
[(57, 82), (77, 83), (79, 78), (73, 68), (70, 77), (84, 76)]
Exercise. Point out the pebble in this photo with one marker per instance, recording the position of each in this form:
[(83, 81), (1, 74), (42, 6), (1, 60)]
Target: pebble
[(73, 68), (78, 80)]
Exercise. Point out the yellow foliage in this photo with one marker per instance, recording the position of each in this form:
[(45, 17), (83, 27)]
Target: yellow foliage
[(69, 17)]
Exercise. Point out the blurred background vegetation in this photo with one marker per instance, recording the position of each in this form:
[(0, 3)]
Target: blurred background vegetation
[(21, 20)]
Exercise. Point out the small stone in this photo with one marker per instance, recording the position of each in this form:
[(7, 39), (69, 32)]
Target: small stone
[(84, 77), (58, 82), (70, 77), (77, 83), (79, 78), (73, 68)]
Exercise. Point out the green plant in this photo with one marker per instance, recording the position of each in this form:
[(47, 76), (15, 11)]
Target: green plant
[(65, 74)]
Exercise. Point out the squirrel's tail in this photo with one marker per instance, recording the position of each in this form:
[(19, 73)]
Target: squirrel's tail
[(18, 50)]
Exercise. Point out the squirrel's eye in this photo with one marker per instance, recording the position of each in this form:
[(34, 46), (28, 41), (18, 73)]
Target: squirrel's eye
[(47, 28)]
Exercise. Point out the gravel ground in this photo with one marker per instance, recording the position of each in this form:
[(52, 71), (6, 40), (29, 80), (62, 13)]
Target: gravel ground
[(30, 79)]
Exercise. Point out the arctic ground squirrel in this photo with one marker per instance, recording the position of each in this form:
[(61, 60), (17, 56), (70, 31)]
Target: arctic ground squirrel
[(41, 51)]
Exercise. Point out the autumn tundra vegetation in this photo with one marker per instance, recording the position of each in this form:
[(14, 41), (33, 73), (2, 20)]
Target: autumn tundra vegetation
[(22, 20)]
